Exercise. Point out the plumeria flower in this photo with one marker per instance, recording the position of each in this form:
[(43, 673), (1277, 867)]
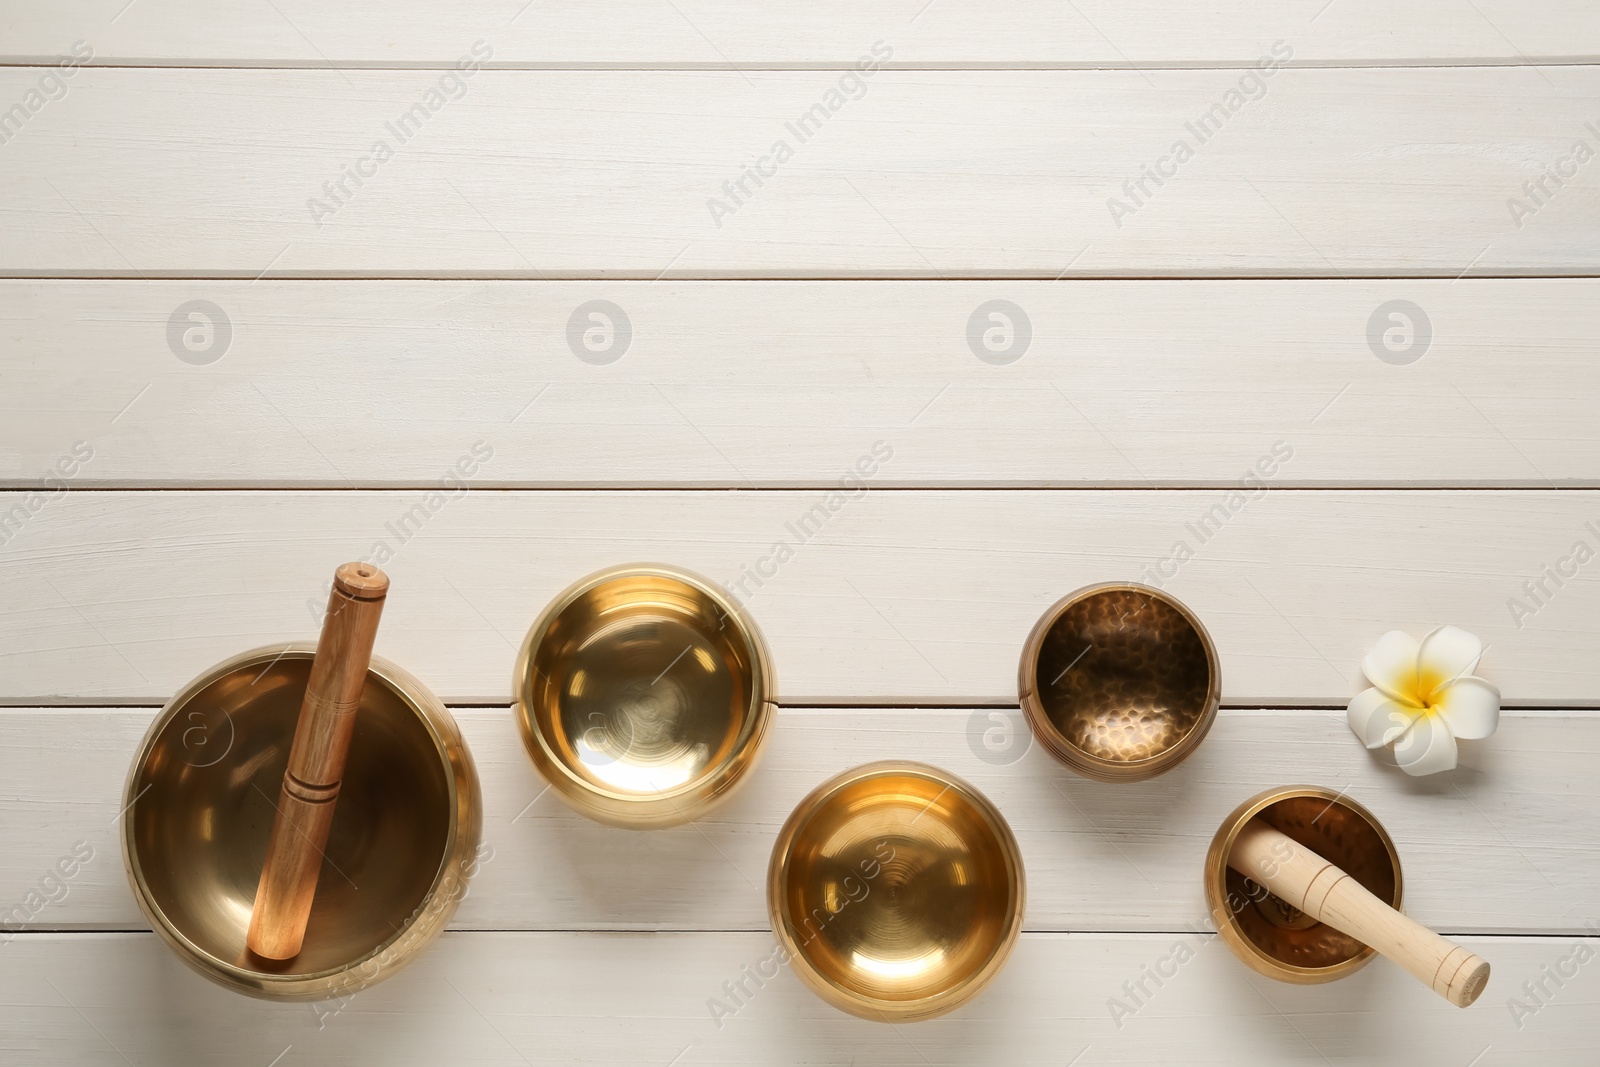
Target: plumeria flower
[(1424, 697)]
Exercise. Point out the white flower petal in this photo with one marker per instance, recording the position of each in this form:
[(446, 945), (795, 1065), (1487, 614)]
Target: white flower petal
[(1470, 706), (1377, 719), (1427, 747), (1446, 654), (1392, 666)]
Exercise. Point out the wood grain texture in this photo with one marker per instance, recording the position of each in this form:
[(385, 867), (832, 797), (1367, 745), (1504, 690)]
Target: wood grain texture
[(627, 999), (927, 174), (1522, 804), (891, 597), (708, 33), (784, 383)]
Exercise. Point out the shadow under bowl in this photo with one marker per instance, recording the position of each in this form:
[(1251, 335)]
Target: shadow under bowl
[(1273, 937), (202, 795), (1119, 681), (897, 890), (643, 695)]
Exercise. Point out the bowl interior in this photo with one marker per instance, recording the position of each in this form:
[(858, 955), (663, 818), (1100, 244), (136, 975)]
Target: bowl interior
[(898, 886), (1337, 833), (642, 685), (1123, 675), (207, 792)]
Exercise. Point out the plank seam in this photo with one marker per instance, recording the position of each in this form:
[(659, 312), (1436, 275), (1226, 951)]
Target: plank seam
[(1564, 486), (606, 276), (1578, 932), (31, 62)]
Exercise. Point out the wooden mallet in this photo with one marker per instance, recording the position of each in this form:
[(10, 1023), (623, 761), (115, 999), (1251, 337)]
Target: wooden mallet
[(1300, 877), (316, 762)]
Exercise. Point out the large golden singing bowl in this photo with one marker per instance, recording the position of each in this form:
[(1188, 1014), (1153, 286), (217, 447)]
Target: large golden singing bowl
[(644, 695), (1273, 937), (1119, 681), (202, 796), (896, 890)]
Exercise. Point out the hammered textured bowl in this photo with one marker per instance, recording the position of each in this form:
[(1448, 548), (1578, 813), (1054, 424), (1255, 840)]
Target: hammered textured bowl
[(1271, 936), (1119, 681)]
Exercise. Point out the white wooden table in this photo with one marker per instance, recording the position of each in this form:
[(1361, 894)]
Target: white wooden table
[(1376, 255)]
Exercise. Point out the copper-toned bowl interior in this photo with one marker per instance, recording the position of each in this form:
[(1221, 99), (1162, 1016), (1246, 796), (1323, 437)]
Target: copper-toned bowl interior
[(1277, 938), (1121, 682)]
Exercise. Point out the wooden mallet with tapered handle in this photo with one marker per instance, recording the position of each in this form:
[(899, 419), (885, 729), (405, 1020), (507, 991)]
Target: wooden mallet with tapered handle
[(316, 762), (1299, 877)]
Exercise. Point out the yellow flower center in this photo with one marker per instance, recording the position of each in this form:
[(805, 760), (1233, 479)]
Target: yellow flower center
[(1425, 696)]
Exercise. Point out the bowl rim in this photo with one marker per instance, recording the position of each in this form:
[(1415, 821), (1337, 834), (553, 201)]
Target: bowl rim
[(420, 929), (1216, 884), (860, 1004), (1069, 754), (681, 803)]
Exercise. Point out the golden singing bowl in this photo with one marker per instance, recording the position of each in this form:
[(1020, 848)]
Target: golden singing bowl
[(1273, 937), (1119, 681), (896, 890), (644, 695), (201, 799)]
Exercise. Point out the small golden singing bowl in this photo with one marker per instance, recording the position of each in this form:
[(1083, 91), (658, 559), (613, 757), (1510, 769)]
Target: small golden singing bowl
[(1273, 937), (200, 803), (1119, 681), (644, 695), (897, 891)]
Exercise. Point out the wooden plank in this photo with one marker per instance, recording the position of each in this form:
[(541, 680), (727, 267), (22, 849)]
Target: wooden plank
[(1324, 173), (881, 597), (786, 383), (1521, 804), (626, 999), (1033, 33)]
